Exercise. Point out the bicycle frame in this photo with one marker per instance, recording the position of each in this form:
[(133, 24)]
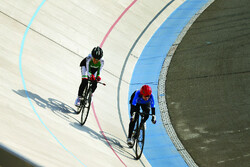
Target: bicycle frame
[(85, 102), (139, 134)]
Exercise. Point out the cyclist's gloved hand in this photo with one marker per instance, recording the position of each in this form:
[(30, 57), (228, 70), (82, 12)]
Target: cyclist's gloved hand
[(98, 78), (92, 78), (153, 119)]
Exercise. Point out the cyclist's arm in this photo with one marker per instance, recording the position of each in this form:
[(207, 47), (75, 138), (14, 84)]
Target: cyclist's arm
[(88, 59), (134, 101), (153, 111), (152, 104), (100, 68)]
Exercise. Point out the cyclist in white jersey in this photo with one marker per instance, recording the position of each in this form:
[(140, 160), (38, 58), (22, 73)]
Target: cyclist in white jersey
[(91, 67)]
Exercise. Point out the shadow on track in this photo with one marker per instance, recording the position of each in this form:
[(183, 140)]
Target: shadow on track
[(64, 111), (117, 144), (57, 107)]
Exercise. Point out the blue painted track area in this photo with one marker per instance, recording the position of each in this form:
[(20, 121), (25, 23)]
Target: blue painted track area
[(159, 149)]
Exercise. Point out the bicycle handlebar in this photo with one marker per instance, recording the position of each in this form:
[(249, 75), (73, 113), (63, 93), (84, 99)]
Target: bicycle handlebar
[(104, 84), (140, 113)]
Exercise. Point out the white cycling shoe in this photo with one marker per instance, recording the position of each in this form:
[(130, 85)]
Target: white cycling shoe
[(77, 102), (130, 142)]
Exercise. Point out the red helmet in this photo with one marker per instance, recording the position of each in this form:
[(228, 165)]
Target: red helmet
[(146, 90)]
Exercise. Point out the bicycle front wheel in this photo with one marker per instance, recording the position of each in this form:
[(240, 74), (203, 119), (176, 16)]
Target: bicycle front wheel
[(140, 143), (85, 108)]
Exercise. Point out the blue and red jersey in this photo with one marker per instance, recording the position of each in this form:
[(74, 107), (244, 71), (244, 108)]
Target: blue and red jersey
[(139, 100)]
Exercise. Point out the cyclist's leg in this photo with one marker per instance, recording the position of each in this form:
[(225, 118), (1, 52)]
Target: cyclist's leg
[(82, 85), (84, 81), (94, 86), (132, 122)]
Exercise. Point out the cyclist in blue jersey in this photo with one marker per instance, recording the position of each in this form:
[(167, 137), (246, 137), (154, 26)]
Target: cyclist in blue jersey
[(91, 67), (141, 98)]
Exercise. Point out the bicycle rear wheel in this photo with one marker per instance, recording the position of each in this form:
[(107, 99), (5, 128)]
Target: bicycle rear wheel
[(85, 108), (140, 143)]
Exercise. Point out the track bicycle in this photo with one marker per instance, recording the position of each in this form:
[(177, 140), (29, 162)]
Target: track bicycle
[(138, 135), (85, 101)]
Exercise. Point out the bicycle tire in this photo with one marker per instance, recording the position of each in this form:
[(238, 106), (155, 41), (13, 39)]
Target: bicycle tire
[(86, 106), (139, 142)]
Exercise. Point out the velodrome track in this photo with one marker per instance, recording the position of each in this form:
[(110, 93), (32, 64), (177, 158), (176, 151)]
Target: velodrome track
[(44, 129)]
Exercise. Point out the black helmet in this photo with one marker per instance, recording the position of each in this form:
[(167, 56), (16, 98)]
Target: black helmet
[(97, 52)]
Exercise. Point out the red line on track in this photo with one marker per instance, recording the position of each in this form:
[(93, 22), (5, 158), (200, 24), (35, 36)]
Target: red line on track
[(104, 134), (118, 19), (92, 104)]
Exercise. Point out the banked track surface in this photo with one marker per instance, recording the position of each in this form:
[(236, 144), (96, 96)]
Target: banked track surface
[(57, 41)]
